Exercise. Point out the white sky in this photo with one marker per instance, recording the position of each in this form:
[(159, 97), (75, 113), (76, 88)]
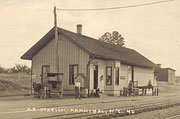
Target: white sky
[(153, 31)]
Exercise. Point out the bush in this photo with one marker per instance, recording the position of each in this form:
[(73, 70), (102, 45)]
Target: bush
[(18, 68)]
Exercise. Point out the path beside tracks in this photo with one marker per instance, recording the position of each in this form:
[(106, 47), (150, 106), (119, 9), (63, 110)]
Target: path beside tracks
[(68, 108)]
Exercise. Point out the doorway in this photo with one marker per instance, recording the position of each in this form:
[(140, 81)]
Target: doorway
[(95, 76), (45, 70), (131, 73)]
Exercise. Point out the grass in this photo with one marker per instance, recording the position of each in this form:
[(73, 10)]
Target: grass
[(166, 87), (14, 84)]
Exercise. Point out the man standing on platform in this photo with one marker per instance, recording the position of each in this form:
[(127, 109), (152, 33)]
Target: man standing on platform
[(77, 88)]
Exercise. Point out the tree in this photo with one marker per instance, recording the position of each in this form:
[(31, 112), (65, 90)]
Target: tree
[(1, 69), (114, 38), (20, 68)]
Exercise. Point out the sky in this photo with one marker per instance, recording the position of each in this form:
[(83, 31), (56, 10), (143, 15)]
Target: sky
[(151, 30)]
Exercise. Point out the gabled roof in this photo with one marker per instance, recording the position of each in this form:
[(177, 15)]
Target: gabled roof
[(169, 69), (39, 45), (93, 47)]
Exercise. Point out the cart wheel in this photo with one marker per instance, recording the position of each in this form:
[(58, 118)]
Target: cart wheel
[(45, 92), (61, 93), (48, 94), (36, 94), (41, 93)]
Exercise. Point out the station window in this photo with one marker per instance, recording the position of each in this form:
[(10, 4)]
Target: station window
[(73, 71), (45, 69), (108, 75), (117, 76), (123, 77)]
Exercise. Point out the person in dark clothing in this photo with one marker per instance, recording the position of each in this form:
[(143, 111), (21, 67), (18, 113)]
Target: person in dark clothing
[(130, 87), (97, 92), (149, 83)]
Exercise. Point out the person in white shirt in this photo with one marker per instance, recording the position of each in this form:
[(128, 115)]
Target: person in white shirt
[(77, 88)]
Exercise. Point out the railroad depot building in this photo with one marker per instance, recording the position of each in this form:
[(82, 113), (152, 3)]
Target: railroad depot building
[(104, 66)]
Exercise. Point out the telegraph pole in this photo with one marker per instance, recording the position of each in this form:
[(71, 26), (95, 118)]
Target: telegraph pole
[(56, 41), (57, 52)]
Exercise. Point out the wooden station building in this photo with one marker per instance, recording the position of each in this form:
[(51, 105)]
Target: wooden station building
[(105, 66)]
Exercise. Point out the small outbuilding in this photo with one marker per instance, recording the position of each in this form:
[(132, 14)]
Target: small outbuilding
[(104, 66), (166, 74)]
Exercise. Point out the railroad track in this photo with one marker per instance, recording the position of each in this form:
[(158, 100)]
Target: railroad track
[(117, 111), (174, 117), (106, 102), (127, 110)]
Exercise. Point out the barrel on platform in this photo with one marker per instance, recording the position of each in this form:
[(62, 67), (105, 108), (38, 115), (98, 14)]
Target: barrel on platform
[(84, 92)]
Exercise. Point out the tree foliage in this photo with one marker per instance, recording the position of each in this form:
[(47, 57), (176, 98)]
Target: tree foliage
[(114, 38), (18, 68), (2, 69)]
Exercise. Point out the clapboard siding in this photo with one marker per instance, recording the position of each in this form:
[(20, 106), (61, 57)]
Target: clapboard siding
[(71, 54), (117, 88), (123, 76), (109, 88), (46, 56), (171, 76), (101, 75), (143, 75)]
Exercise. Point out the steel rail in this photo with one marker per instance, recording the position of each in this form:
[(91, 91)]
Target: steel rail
[(105, 102), (138, 108), (129, 110)]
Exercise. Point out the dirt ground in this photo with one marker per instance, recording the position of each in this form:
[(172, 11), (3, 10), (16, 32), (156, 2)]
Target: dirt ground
[(20, 107), (158, 114)]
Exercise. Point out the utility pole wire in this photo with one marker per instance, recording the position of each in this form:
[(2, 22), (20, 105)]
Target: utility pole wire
[(113, 8)]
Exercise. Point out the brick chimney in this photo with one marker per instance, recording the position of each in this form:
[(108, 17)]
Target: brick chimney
[(79, 29), (159, 65)]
